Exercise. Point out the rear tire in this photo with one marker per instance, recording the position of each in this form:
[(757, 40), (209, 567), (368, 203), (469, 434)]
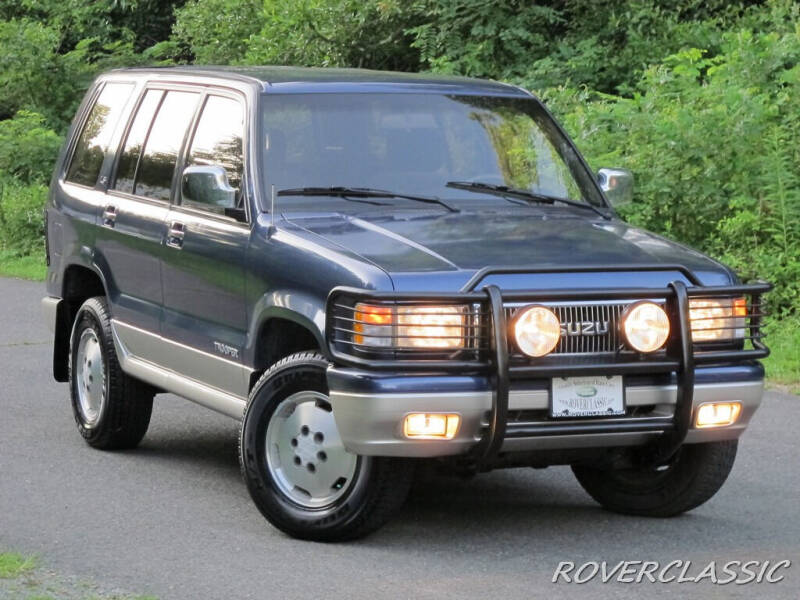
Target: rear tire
[(296, 468), (695, 475), (112, 410)]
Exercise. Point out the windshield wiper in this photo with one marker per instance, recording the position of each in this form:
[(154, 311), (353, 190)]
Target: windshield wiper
[(339, 192), (510, 192), (353, 193)]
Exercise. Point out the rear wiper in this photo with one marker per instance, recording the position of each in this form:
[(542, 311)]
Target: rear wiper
[(352, 193), (510, 192)]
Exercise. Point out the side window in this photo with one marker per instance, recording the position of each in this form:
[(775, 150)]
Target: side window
[(157, 163), (217, 142), (97, 131), (129, 159)]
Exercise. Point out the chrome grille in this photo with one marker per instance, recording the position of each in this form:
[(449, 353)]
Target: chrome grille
[(586, 328)]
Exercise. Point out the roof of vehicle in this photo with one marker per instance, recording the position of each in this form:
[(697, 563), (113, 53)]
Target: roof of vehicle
[(277, 79)]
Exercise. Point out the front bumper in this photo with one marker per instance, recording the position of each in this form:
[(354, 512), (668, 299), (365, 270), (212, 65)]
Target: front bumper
[(369, 410)]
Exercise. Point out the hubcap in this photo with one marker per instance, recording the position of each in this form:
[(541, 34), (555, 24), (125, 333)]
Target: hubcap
[(305, 455), (90, 378)]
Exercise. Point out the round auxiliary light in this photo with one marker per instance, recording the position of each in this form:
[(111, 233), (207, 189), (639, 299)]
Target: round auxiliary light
[(646, 326), (536, 330)]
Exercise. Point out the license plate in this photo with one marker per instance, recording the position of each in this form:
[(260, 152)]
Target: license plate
[(596, 396)]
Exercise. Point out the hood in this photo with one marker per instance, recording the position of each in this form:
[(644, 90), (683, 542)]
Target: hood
[(446, 244)]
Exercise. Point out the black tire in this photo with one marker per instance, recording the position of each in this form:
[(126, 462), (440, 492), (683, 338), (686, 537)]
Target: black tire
[(377, 490), (127, 402), (696, 474)]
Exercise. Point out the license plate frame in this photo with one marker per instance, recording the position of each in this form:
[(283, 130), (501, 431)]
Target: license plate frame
[(587, 396)]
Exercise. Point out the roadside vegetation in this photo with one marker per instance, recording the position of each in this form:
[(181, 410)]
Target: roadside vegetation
[(783, 365), (22, 578), (13, 565), (700, 98)]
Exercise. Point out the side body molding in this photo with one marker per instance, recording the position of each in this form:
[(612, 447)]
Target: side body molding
[(212, 381)]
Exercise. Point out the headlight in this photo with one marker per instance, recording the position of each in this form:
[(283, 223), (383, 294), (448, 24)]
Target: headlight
[(537, 330), (435, 327), (646, 326), (717, 320)]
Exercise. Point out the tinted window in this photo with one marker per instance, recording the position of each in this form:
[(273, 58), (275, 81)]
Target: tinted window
[(218, 141), (96, 134), (126, 170), (154, 175)]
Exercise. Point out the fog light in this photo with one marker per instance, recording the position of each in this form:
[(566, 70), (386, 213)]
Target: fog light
[(431, 426), (718, 414)]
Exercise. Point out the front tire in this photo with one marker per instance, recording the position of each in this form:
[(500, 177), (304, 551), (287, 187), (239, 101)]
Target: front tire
[(692, 478), (112, 410), (296, 468)]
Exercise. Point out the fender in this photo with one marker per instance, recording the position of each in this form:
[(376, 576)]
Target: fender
[(306, 310)]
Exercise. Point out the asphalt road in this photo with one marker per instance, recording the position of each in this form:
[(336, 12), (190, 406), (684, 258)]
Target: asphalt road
[(173, 518)]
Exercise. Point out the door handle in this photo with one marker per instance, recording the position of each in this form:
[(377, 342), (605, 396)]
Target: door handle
[(175, 235), (109, 215)]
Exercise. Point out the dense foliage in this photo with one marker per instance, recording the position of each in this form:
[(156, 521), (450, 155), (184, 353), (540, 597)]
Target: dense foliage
[(700, 98)]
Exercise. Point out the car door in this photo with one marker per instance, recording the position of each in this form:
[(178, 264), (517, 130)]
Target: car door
[(132, 228), (203, 273)]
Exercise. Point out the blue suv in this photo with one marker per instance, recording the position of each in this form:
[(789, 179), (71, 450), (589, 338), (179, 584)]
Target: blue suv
[(376, 270)]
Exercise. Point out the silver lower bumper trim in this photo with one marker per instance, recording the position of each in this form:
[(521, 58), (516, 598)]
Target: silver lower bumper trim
[(371, 424)]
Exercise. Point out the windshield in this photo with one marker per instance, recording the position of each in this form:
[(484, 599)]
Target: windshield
[(417, 144)]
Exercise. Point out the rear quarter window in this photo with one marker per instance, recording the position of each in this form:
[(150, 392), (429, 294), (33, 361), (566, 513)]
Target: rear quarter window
[(87, 160)]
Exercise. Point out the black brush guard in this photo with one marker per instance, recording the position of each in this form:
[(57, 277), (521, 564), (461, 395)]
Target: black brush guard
[(492, 356)]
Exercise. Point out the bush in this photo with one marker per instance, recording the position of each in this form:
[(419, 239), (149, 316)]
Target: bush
[(336, 33), (21, 217), (603, 44), (28, 149), (216, 31), (35, 75), (28, 51)]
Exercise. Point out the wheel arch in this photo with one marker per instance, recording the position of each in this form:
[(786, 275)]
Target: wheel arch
[(79, 283), (281, 332)]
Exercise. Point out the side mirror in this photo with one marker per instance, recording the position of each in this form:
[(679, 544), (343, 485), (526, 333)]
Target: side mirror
[(617, 184), (208, 186)]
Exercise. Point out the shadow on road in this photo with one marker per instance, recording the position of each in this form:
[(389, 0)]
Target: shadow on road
[(215, 448)]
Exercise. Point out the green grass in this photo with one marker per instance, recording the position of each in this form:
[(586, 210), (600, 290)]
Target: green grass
[(21, 577), (783, 364), (22, 267), (12, 565)]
